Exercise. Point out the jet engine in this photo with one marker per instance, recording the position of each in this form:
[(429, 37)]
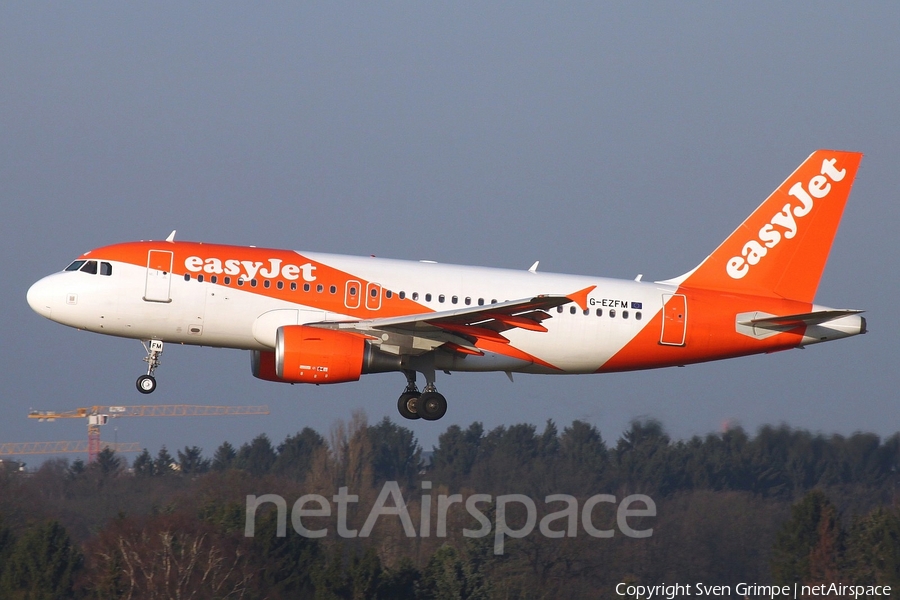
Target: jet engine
[(306, 354)]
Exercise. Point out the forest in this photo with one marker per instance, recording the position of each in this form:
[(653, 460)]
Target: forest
[(776, 507)]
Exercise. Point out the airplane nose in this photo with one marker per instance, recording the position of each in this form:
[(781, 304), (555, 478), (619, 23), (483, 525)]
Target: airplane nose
[(40, 298)]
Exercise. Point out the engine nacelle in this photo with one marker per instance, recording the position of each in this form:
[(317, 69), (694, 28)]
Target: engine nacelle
[(311, 355), (306, 354)]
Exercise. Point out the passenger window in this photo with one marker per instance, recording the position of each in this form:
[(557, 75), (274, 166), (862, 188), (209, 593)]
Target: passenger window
[(252, 283), (187, 276), (320, 288), (612, 313), (214, 279), (599, 312), (468, 301), (293, 286), (306, 287), (427, 297), (587, 311), (559, 309), (454, 300), (572, 310), (228, 281), (333, 289), (105, 268), (494, 301), (481, 302), (266, 283), (415, 296), (90, 267), (353, 290), (388, 293), (200, 278), (402, 295), (75, 265), (280, 285), (240, 282), (624, 314), (637, 316), (441, 298)]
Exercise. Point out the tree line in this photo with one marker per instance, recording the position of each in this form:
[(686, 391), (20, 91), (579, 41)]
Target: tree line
[(779, 506)]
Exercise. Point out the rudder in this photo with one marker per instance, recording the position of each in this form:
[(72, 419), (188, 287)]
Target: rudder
[(781, 249)]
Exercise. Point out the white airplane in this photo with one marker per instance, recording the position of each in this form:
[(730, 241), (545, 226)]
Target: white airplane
[(323, 318)]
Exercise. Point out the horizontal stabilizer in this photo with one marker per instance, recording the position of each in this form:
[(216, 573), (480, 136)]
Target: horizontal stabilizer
[(806, 319)]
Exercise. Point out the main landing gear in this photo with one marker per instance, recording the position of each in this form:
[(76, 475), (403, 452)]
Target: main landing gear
[(429, 405), (147, 383)]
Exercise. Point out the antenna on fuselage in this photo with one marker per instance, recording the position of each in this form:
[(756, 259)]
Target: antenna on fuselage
[(171, 237)]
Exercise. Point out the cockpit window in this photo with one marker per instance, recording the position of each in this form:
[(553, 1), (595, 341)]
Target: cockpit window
[(90, 267)]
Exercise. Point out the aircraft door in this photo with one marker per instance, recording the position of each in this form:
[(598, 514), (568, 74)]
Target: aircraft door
[(674, 316), (159, 276)]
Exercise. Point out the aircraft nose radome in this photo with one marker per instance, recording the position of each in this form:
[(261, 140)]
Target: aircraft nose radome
[(39, 298)]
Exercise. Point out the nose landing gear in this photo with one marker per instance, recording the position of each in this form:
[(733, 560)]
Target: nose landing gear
[(146, 384)]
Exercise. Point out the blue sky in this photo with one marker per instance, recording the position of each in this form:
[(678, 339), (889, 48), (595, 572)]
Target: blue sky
[(600, 139)]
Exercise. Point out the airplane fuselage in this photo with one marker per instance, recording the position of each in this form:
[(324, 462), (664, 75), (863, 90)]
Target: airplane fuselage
[(193, 304)]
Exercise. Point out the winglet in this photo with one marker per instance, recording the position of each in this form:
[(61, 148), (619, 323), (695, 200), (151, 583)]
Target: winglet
[(580, 297)]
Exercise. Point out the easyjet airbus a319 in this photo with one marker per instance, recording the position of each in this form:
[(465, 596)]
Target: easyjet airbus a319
[(320, 318)]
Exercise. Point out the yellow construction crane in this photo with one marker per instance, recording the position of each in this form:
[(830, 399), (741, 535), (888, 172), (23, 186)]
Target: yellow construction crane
[(100, 415)]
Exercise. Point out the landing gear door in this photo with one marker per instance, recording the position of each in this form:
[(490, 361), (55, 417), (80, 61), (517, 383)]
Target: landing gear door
[(674, 316), (159, 276)]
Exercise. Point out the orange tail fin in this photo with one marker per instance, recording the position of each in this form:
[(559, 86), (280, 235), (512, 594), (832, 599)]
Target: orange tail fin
[(781, 248)]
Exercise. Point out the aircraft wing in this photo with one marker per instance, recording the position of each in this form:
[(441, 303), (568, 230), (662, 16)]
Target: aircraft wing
[(459, 329)]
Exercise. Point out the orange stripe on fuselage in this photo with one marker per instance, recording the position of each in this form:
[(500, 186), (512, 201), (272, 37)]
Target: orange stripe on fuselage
[(265, 264), (711, 332)]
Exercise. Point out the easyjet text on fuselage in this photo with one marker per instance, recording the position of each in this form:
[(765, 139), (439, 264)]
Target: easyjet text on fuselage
[(248, 269)]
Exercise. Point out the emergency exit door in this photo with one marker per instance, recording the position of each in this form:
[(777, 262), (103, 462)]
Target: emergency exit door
[(674, 315)]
